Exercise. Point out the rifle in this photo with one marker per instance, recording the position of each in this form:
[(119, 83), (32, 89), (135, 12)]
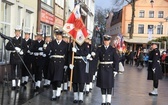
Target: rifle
[(32, 32), (22, 34)]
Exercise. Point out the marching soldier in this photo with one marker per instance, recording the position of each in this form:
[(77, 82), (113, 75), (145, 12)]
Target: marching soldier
[(15, 61), (154, 68), (58, 51), (108, 68), (46, 64), (27, 59), (79, 71), (37, 49)]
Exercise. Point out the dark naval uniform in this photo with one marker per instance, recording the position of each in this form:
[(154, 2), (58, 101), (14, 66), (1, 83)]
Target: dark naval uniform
[(154, 70), (28, 62), (37, 49), (15, 60), (154, 63), (108, 61), (79, 71)]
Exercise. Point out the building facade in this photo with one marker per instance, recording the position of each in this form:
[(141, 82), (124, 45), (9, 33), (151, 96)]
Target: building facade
[(14, 13), (150, 22)]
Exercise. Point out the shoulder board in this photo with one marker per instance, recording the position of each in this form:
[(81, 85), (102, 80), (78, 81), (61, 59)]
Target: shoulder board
[(100, 46)]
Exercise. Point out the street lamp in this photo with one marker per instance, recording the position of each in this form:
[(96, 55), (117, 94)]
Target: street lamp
[(152, 2)]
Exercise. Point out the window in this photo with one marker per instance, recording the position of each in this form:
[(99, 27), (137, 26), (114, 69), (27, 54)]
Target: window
[(151, 14), (46, 29), (5, 28), (140, 29), (160, 14), (19, 16), (142, 14), (160, 29), (150, 29), (129, 28), (28, 20), (48, 2)]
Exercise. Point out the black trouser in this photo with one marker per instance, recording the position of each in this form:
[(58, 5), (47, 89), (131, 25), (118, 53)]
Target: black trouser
[(106, 91), (16, 71), (38, 72), (56, 84), (24, 70), (78, 87), (131, 61), (155, 83)]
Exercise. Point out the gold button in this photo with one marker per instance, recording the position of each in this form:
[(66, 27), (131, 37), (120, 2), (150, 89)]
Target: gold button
[(103, 54), (109, 55), (59, 61), (103, 66)]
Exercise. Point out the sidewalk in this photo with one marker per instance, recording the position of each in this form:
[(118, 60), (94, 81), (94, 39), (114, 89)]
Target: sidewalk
[(131, 88)]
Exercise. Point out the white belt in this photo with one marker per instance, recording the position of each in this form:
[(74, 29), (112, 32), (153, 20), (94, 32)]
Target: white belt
[(13, 51), (78, 57), (56, 56), (105, 63), (152, 61)]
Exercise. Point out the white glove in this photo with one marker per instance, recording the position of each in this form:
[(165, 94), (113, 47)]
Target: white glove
[(21, 52), (154, 70), (88, 56), (71, 66), (44, 55), (115, 73), (31, 53), (74, 49), (65, 67), (17, 49), (41, 53), (36, 54), (93, 53), (28, 51), (40, 48), (45, 45)]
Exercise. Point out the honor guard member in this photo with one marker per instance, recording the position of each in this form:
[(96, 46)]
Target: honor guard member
[(108, 68), (46, 64), (58, 51), (66, 38), (154, 68), (15, 61), (79, 71), (88, 72), (27, 59), (37, 49)]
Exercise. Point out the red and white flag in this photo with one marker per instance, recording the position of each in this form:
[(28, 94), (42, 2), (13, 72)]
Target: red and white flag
[(75, 26)]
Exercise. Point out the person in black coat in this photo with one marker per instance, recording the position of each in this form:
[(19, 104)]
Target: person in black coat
[(79, 71), (58, 58), (15, 61), (108, 68), (154, 68), (37, 49), (27, 59)]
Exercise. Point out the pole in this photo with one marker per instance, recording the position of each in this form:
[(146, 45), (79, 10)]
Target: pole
[(72, 70), (132, 19)]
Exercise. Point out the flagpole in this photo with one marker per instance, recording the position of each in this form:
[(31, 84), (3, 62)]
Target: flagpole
[(71, 77)]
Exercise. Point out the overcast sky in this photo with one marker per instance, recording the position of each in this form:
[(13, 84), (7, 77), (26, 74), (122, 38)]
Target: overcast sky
[(104, 3)]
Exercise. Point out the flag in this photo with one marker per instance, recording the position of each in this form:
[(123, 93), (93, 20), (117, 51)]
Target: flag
[(119, 43), (75, 26)]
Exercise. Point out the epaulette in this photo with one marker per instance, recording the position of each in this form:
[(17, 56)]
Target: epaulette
[(100, 46)]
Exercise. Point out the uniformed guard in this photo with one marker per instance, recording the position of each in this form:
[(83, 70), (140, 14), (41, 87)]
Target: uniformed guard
[(27, 59), (58, 51), (37, 49), (154, 68), (15, 61), (108, 68), (46, 64), (79, 71)]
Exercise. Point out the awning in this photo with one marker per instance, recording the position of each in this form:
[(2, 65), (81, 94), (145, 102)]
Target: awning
[(136, 40)]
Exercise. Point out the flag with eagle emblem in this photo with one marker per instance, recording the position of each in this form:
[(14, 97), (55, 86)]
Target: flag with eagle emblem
[(75, 26)]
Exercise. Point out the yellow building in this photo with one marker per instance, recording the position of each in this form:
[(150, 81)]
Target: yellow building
[(150, 22)]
